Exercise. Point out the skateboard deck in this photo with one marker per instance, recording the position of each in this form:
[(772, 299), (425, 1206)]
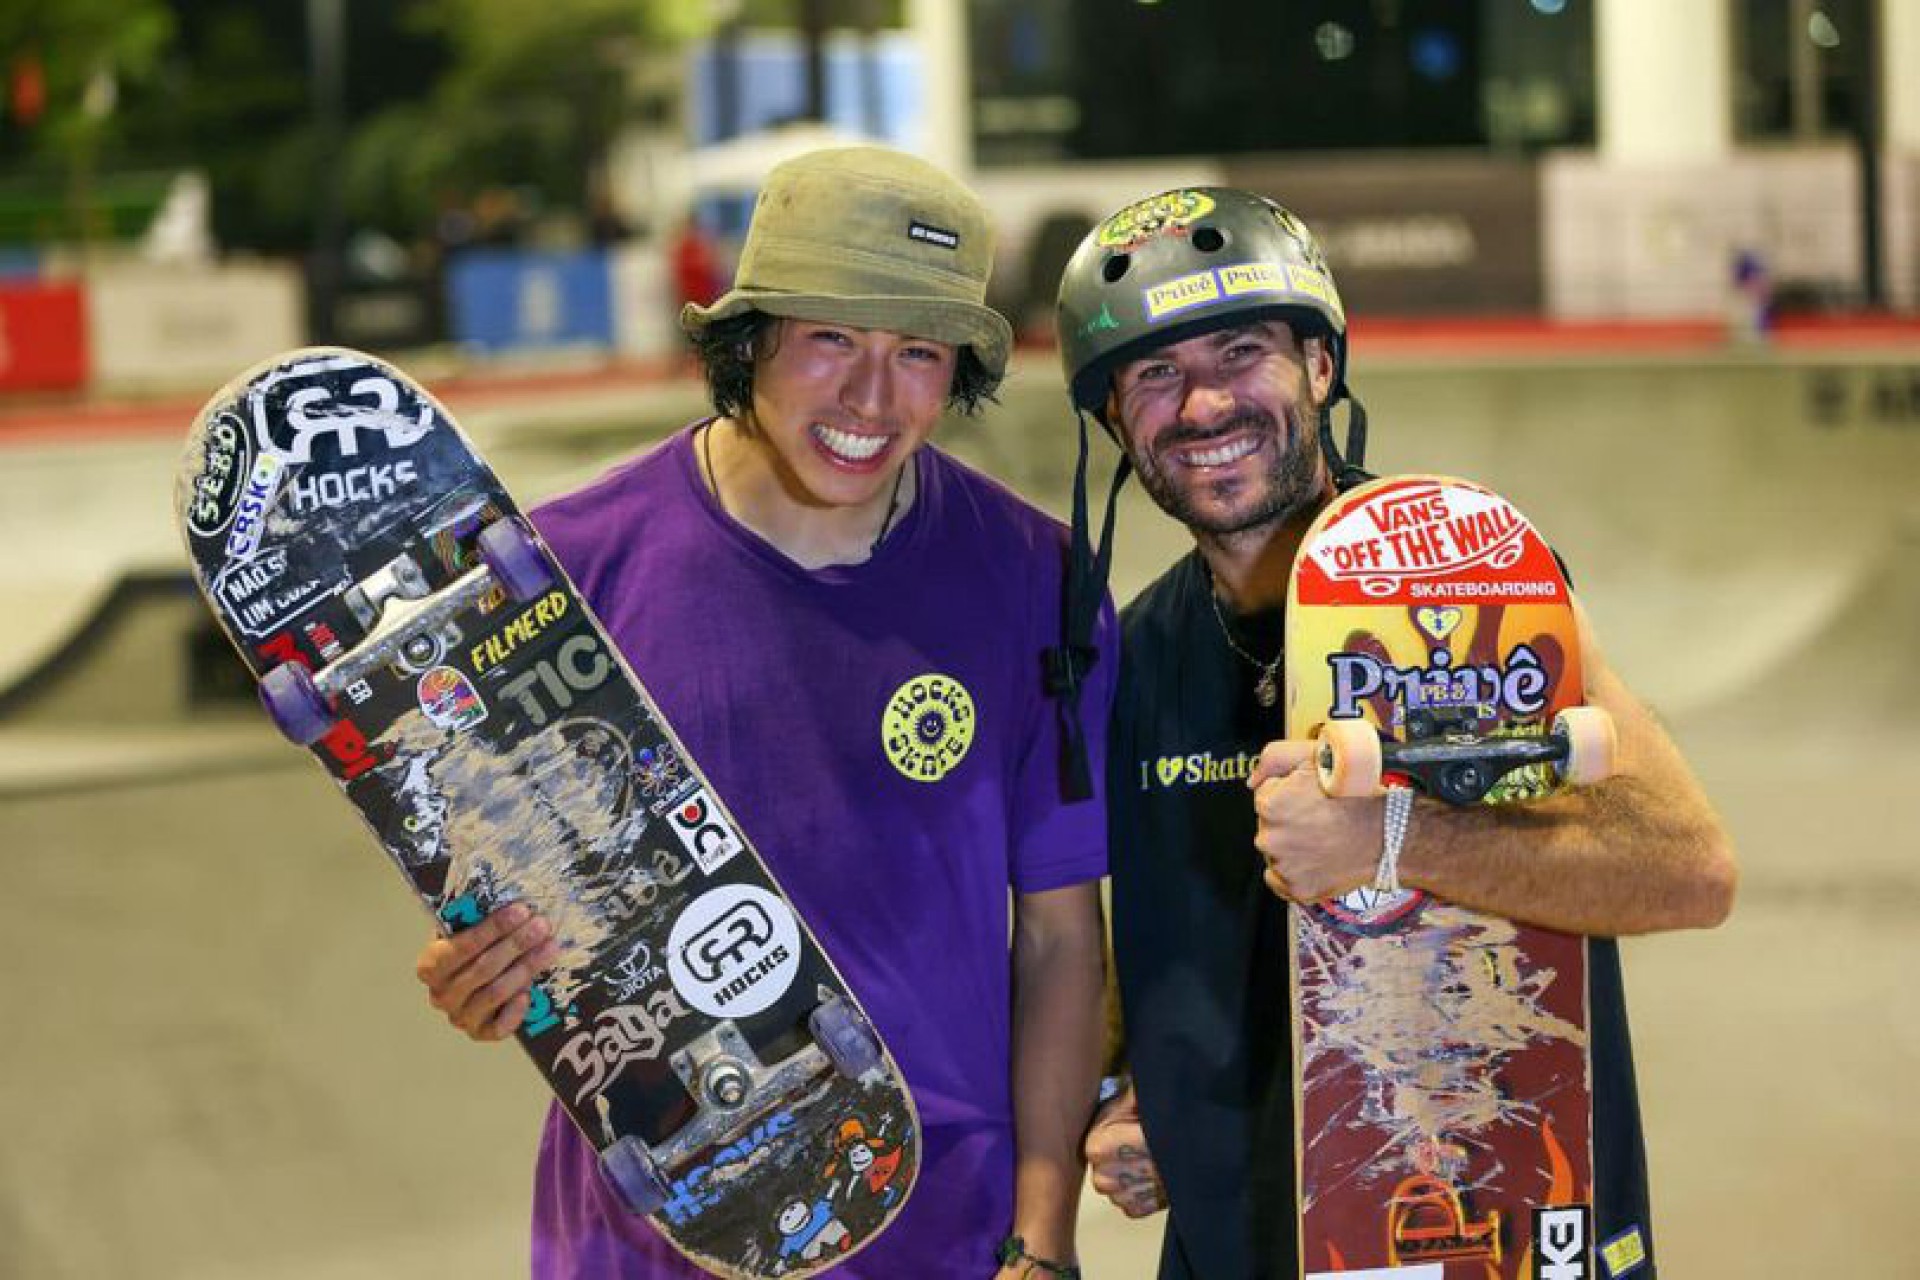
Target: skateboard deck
[(409, 625), (1442, 1087)]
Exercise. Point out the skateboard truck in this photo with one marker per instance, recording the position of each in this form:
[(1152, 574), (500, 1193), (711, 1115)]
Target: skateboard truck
[(724, 1074), (1461, 767), (400, 579), (401, 612)]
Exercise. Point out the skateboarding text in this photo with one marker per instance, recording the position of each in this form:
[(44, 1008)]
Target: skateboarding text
[(1484, 590)]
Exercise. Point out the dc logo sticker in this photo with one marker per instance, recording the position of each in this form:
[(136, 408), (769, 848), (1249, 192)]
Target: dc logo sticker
[(703, 829), (734, 952), (927, 727)]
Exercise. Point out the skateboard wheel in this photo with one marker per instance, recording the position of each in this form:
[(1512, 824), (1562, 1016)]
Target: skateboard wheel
[(295, 704), (1591, 742), (844, 1037), (634, 1175), (509, 549), (1347, 756)]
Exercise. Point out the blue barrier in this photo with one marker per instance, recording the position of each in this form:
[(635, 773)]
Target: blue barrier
[(19, 262), (507, 299)]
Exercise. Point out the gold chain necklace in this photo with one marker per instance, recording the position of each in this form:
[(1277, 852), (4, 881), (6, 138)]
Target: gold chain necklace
[(1266, 690)]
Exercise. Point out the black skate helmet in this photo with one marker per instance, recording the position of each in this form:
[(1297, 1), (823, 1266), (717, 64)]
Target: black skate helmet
[(1181, 264)]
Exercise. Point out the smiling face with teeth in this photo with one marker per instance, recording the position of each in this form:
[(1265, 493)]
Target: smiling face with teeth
[(838, 411), (1223, 427)]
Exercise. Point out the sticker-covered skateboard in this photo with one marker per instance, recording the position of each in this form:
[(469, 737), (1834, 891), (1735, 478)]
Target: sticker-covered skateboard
[(411, 628), (1443, 1095)]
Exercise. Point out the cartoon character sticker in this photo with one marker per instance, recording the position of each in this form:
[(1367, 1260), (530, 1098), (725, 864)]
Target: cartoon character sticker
[(809, 1233), (869, 1162)]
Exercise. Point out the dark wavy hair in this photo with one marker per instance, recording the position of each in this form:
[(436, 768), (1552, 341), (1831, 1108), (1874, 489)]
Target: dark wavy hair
[(727, 349)]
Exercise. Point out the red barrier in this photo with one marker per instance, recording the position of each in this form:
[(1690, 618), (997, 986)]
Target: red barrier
[(43, 337)]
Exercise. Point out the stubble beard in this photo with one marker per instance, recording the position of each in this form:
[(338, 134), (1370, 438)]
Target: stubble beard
[(1291, 485)]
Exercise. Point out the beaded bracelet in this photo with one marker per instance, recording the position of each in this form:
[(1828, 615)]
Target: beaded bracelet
[(1014, 1249)]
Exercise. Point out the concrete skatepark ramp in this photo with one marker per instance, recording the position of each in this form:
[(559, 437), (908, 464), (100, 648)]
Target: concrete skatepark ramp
[(122, 652)]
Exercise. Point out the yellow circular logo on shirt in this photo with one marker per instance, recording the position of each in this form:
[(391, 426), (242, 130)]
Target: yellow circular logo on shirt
[(927, 726)]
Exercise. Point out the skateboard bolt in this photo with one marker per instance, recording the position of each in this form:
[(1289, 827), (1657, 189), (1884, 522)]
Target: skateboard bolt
[(421, 650), (726, 1083)]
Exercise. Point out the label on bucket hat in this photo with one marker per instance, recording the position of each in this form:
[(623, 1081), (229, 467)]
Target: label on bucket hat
[(933, 235)]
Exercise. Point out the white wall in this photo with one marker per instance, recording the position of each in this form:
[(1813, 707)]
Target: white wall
[(1659, 240), (187, 326)]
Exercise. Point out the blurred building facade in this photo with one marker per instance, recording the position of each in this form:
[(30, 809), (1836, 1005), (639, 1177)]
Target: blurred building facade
[(1574, 158)]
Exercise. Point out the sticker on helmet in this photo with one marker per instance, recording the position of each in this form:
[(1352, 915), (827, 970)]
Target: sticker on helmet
[(1222, 282), (1177, 295), (1316, 284), (1252, 277), (1140, 222), (1303, 242)]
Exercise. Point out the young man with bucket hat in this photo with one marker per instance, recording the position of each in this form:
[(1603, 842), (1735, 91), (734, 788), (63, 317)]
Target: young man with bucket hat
[(782, 575)]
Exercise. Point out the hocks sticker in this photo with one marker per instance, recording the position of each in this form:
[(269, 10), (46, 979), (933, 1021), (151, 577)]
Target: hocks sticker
[(927, 727), (734, 952)]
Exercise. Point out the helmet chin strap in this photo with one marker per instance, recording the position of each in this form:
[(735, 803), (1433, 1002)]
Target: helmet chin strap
[(1347, 469), (1067, 664)]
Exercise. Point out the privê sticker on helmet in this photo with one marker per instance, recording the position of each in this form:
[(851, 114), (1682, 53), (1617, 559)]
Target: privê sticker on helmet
[(1212, 285), (1238, 281), (1139, 222), (1316, 284)]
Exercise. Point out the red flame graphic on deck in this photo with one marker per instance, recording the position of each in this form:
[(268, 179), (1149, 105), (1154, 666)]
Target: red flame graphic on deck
[(1562, 1186)]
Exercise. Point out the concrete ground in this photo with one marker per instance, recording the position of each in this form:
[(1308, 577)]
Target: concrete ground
[(219, 1065)]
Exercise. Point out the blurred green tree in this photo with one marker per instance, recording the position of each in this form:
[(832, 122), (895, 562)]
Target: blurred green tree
[(533, 99), (69, 64)]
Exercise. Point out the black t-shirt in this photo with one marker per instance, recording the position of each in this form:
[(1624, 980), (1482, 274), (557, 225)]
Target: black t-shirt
[(1202, 954)]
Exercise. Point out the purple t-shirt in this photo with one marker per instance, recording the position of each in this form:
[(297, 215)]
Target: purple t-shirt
[(795, 691)]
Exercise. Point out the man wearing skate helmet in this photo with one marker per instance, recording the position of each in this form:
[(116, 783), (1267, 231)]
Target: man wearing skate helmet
[(785, 576), (1202, 328)]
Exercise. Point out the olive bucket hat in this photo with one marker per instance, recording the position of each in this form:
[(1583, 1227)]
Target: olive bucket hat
[(871, 238)]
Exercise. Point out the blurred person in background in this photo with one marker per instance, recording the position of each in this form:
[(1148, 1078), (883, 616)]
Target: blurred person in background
[(778, 575), (1223, 405), (697, 274)]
